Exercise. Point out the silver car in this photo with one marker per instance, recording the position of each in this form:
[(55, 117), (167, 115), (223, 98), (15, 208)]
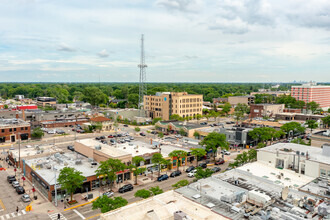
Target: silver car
[(26, 198), (109, 194), (15, 184)]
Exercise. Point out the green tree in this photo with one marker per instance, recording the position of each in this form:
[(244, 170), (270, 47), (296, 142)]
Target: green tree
[(107, 204), (293, 127), (182, 132), (326, 121), (109, 168), (300, 141), (240, 110), (226, 108), (312, 124), (198, 117), (143, 193), (157, 159), (180, 183), (213, 141), (155, 120), (198, 152), (37, 133), (312, 106), (160, 134), (156, 190), (176, 117), (70, 180), (5, 106), (135, 167), (98, 126), (133, 100), (94, 96), (201, 173), (179, 154), (137, 129), (196, 135)]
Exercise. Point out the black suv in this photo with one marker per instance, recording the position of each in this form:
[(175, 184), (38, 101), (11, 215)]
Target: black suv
[(11, 179), (20, 190), (175, 173), (189, 169), (128, 187), (203, 165), (70, 147)]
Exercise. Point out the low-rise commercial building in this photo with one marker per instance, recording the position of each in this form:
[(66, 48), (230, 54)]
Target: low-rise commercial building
[(297, 117), (320, 138), (310, 161), (176, 126), (163, 105), (12, 130), (265, 110), (46, 101), (234, 100), (42, 172), (106, 123), (168, 205)]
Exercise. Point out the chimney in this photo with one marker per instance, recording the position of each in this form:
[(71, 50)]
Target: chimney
[(23, 114)]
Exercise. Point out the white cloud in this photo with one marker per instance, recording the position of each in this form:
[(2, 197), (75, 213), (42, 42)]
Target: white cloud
[(103, 53), (65, 47)]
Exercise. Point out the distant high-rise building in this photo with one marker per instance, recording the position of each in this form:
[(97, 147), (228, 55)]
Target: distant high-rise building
[(164, 104), (312, 92)]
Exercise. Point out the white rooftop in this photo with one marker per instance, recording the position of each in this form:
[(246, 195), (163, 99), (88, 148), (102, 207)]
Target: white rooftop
[(105, 148), (162, 206), (46, 167), (314, 153), (31, 151), (288, 177)]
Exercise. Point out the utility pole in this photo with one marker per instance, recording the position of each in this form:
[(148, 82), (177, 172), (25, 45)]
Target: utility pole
[(55, 190), (142, 85)]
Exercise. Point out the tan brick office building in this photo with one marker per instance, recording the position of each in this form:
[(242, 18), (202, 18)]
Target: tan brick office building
[(163, 105)]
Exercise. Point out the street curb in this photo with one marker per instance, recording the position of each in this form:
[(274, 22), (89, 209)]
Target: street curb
[(80, 205)]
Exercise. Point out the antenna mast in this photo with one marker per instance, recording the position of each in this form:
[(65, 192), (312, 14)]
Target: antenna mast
[(142, 82)]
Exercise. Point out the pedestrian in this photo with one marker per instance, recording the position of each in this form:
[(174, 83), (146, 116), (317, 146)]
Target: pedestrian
[(17, 209), (58, 216)]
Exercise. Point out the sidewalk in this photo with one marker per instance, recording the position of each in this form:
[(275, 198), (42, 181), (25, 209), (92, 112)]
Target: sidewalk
[(41, 204)]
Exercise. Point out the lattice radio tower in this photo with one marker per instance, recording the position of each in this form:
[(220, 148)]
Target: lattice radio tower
[(142, 84)]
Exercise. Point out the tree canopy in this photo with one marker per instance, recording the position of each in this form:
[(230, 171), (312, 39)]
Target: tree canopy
[(107, 204), (213, 141), (70, 179)]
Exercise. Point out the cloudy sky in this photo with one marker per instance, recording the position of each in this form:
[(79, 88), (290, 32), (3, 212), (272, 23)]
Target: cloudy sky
[(185, 40)]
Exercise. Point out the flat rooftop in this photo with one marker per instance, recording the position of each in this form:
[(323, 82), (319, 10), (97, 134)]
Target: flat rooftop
[(288, 178), (47, 167), (162, 206), (105, 148), (35, 151), (314, 153), (12, 122)]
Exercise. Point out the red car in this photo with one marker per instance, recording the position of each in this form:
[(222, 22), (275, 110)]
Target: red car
[(220, 161), (110, 136)]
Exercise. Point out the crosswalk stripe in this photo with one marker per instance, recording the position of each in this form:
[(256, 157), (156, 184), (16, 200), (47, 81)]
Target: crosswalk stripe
[(2, 218), (24, 212), (7, 216), (13, 214)]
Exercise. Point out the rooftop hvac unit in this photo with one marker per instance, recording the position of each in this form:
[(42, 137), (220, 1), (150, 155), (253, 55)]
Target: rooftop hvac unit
[(180, 215), (78, 162), (98, 147)]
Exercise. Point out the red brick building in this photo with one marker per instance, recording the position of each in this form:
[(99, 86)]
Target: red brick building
[(312, 92), (14, 129)]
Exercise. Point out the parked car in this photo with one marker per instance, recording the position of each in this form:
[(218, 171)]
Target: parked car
[(110, 136), (26, 198), (216, 169), (192, 173), (189, 169), (162, 177), (104, 142), (203, 123), (131, 138), (20, 190), (125, 125), (127, 140), (102, 137), (220, 161), (109, 194), (154, 132), (225, 152), (178, 136), (28, 146), (125, 188), (98, 138), (176, 173), (203, 165), (70, 147), (142, 134), (15, 184), (11, 179)]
